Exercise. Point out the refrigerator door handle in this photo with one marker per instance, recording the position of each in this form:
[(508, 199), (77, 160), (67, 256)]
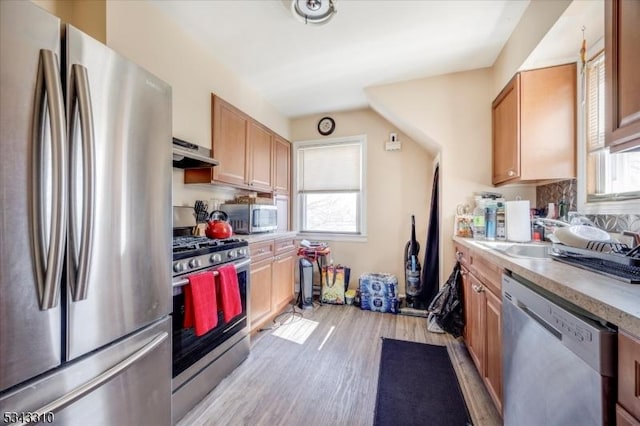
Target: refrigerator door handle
[(98, 381), (48, 205), (81, 233)]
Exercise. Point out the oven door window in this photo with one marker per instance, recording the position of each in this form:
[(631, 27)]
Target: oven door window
[(187, 348)]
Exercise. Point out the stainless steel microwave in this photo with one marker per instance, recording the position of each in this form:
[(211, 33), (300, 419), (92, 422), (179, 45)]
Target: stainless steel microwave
[(251, 218)]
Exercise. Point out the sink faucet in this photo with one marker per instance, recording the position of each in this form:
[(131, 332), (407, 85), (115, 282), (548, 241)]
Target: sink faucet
[(576, 218), (549, 222), (549, 227)]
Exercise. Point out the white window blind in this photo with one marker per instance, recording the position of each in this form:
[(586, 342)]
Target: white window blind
[(329, 186), (330, 168), (595, 103)]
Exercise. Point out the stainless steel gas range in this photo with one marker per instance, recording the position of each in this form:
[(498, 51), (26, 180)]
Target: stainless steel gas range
[(200, 363)]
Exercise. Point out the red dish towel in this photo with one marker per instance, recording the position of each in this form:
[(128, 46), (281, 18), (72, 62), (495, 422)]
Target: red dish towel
[(200, 305), (229, 292)]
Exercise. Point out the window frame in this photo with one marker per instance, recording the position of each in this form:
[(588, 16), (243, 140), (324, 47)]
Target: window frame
[(594, 204), (297, 202)]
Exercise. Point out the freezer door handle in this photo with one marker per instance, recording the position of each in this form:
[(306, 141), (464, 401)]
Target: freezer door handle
[(82, 174), (49, 195), (100, 380)]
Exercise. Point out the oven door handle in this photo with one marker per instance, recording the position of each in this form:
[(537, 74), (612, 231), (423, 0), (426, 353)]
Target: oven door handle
[(185, 281)]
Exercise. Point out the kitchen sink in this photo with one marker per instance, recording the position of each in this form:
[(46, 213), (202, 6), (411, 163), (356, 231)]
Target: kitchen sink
[(522, 250)]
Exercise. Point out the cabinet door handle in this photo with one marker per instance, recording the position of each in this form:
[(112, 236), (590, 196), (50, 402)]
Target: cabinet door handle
[(477, 288), (511, 173)]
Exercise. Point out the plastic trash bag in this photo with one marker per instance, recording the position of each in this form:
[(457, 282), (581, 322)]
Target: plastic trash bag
[(446, 309)]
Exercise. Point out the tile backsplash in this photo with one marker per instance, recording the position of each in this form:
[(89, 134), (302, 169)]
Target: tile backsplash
[(616, 222), (567, 189), (554, 192)]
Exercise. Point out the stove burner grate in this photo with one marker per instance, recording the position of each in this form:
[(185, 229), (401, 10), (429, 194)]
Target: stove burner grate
[(187, 246), (182, 244)]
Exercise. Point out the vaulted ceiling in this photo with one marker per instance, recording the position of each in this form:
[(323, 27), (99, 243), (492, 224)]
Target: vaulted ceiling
[(304, 69)]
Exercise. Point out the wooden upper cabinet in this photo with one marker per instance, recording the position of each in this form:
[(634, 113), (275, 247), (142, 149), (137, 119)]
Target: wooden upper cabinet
[(229, 130), (506, 128), (622, 74), (260, 165), (534, 126), (251, 156), (282, 160)]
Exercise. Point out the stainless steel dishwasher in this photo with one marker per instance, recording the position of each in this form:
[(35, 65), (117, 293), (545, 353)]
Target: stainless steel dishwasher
[(558, 361)]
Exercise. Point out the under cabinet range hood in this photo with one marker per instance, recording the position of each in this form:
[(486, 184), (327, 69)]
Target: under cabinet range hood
[(187, 155)]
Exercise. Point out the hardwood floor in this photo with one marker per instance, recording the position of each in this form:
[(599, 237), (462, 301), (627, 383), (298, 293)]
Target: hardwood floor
[(330, 379)]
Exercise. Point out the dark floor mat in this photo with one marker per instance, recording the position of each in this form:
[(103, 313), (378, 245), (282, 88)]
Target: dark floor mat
[(418, 386)]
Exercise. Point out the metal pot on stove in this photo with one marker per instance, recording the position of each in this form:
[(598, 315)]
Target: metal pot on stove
[(218, 226)]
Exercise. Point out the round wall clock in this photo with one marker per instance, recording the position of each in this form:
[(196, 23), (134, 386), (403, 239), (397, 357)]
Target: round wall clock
[(326, 126)]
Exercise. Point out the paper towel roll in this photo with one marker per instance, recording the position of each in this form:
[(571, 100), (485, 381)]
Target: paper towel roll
[(518, 222)]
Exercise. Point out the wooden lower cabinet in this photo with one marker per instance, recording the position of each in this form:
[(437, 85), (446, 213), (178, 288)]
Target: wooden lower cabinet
[(624, 418), (283, 280), (628, 378), (272, 279), (476, 322), (261, 291), (483, 314), (493, 348)]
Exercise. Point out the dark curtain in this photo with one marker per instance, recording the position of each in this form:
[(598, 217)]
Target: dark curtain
[(431, 268)]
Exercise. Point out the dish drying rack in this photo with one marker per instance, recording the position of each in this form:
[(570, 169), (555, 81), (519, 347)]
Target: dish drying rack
[(613, 259)]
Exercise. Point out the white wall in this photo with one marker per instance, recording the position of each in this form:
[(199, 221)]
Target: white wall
[(453, 113), (148, 37), (537, 20), (86, 15), (398, 185)]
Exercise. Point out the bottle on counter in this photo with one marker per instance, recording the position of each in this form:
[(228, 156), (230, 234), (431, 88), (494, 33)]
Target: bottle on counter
[(478, 223), (563, 210), (501, 229), (490, 222)]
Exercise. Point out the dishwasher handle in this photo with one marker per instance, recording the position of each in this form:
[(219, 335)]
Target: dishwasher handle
[(531, 314)]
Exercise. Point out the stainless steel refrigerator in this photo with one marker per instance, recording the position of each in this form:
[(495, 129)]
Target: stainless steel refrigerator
[(85, 228)]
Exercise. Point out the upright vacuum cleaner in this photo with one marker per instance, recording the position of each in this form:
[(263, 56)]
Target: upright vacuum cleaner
[(412, 274)]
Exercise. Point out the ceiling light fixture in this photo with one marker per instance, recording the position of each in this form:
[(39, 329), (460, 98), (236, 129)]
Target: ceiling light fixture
[(313, 11)]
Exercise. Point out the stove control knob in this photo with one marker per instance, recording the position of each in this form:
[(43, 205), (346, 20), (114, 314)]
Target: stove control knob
[(216, 258), (178, 267), (232, 254), (242, 252), (194, 263)]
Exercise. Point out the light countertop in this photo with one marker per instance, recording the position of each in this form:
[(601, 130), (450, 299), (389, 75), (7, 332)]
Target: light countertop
[(614, 301), (264, 236)]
